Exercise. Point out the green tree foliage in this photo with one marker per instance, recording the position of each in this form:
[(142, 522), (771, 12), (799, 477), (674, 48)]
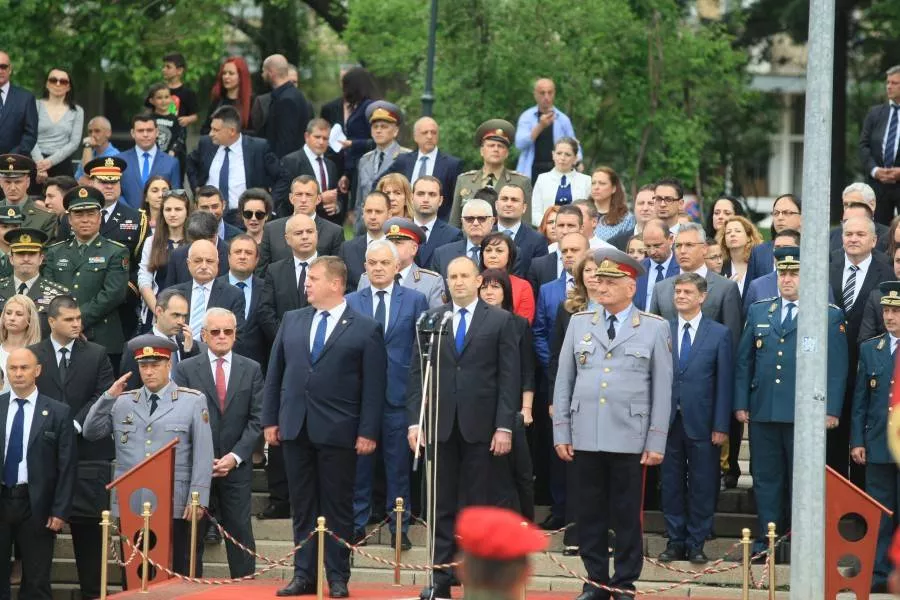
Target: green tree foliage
[(648, 93)]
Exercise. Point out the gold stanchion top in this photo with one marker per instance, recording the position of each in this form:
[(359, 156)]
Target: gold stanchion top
[(772, 529), (320, 523), (195, 497), (146, 509), (105, 515), (745, 534), (398, 504)]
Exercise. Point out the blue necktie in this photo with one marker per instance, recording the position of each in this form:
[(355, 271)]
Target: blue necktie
[(223, 178), (461, 330), (145, 168), (611, 331), (423, 171), (790, 314), (380, 314), (889, 154), (685, 346), (474, 251), (14, 450), (564, 192), (242, 285), (319, 340)]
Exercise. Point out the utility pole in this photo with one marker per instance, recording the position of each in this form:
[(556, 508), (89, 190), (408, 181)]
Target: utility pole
[(428, 94)]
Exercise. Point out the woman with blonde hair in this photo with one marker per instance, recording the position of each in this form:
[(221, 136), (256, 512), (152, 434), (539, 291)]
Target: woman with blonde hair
[(20, 326), (547, 228), (737, 238), (396, 187)]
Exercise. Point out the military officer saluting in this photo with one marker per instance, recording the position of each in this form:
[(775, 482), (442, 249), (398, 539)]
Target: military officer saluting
[(142, 421), (407, 236), (10, 219), (869, 425), (764, 384), (26, 254), (493, 137), (385, 119), (611, 408), (15, 178), (93, 268)]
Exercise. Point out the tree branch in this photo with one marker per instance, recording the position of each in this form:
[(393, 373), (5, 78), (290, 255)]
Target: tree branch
[(332, 12)]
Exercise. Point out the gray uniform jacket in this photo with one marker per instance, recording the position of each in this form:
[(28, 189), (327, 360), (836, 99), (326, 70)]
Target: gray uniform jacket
[(428, 283), (367, 175), (181, 413), (614, 396)]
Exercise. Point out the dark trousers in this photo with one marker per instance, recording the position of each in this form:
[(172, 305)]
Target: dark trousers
[(883, 484), (321, 484), (181, 546), (610, 490), (772, 468), (34, 541), (276, 478), (87, 537), (690, 480), (463, 469), (887, 200), (396, 456), (230, 498), (735, 435), (512, 483)]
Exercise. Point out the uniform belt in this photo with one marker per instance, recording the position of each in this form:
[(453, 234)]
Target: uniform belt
[(16, 491)]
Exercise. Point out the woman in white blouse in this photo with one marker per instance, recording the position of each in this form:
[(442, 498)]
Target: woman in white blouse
[(60, 124), (562, 184), (20, 326)]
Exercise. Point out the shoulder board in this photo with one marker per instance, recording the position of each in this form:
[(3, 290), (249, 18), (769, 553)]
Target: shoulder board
[(651, 315), (511, 172), (53, 286), (403, 150), (142, 211), (4, 281), (872, 339), (115, 243), (129, 392), (834, 306), (584, 312), (60, 243), (429, 272), (470, 172), (189, 390), (765, 300), (369, 153), (35, 209)]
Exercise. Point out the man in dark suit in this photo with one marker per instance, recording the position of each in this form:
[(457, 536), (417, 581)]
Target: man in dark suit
[(310, 160), (169, 321), (18, 118), (427, 200), (428, 160), (699, 422), (201, 225), (859, 208), (324, 397), (478, 220), (660, 262), (375, 211), (77, 372), (854, 273), (204, 291), (510, 207), (304, 197), (259, 110), (878, 149), (479, 398), (243, 255), (233, 388), (208, 198), (145, 160), (396, 308), (38, 478), (544, 269), (231, 161), (288, 109)]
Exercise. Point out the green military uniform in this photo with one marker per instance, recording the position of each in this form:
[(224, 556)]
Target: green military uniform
[(15, 166), (10, 216), (96, 274), (41, 290)]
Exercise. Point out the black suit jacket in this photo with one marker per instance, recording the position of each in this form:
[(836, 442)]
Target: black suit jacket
[(353, 254), (51, 455), (177, 267), (542, 270), (260, 164), (879, 270), (274, 247), (279, 295), (444, 255), (293, 165), (252, 342), (237, 429), (18, 122), (129, 365), (222, 295), (287, 119), (333, 111), (620, 240), (446, 168), (480, 386), (442, 233), (530, 245), (871, 138)]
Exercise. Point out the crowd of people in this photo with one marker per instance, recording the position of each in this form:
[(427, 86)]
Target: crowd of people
[(280, 309)]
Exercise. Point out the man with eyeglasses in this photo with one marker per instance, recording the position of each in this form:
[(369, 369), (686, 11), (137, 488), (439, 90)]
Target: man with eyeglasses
[(96, 144), (233, 386), (477, 220), (19, 126), (669, 197), (660, 263), (15, 177)]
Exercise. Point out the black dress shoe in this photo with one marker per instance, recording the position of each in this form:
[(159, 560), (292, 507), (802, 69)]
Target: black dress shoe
[(730, 480), (359, 538), (570, 551), (880, 588), (697, 556), (551, 523), (338, 589), (672, 552), (438, 591), (212, 535), (405, 543), (593, 594), (274, 511), (297, 587)]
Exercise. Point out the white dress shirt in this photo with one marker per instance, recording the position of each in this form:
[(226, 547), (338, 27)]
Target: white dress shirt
[(429, 164), (470, 309), (511, 230), (692, 332), (298, 268), (892, 114), (560, 267), (860, 275), (893, 343), (404, 272), (226, 366), (28, 407), (702, 270), (334, 316), (4, 93), (784, 307), (17, 282), (545, 187), (313, 159), (387, 302), (237, 177)]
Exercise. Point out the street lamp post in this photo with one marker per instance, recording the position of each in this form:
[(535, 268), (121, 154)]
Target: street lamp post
[(428, 94)]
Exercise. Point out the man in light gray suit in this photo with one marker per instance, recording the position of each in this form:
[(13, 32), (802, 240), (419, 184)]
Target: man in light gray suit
[(626, 356), (233, 388)]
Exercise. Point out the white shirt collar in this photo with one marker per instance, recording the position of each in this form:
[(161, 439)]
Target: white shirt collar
[(237, 147), (32, 397), (863, 265), (234, 279), (470, 308), (514, 229), (213, 358), (621, 317), (370, 239), (428, 224), (665, 264), (140, 154), (207, 287), (5, 89), (389, 289), (893, 341), (695, 322), (297, 261), (156, 331), (311, 156), (431, 155), (701, 271), (404, 273), (335, 313), (57, 345), (28, 283)]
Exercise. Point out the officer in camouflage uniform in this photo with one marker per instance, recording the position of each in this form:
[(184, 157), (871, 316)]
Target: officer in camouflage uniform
[(142, 421), (10, 219), (94, 269), (493, 137), (15, 177), (26, 248)]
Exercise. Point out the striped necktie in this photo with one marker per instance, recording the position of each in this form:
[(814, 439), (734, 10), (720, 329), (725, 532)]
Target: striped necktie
[(849, 288)]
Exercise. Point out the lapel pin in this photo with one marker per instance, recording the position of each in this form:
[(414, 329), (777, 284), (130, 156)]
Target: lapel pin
[(45, 412)]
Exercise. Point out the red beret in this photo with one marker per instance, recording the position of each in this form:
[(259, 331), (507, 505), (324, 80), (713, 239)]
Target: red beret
[(497, 534)]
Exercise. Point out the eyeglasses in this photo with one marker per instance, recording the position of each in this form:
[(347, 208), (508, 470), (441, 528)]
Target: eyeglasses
[(666, 199), (259, 215), (58, 80), (687, 245), (218, 332), (478, 219), (4, 66), (785, 213), (177, 192)]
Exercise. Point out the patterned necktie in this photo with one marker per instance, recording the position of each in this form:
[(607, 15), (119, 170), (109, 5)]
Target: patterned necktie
[(461, 330), (15, 450), (564, 191), (849, 288), (380, 312), (319, 339), (223, 177), (154, 403), (220, 382), (890, 154), (145, 169), (323, 180), (423, 167), (790, 306), (198, 309), (611, 332), (474, 251), (685, 346)]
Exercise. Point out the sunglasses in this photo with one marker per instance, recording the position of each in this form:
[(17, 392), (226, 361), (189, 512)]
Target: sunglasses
[(177, 192), (259, 215), (58, 80), (479, 219), (4, 66), (218, 332)]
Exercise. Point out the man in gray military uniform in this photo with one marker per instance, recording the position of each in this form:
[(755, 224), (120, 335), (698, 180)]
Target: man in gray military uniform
[(493, 137), (385, 119), (611, 407), (407, 236), (142, 421), (26, 253)]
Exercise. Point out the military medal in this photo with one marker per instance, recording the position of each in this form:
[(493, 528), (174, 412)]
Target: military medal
[(204, 414), (129, 419), (582, 358), (880, 344), (124, 438), (873, 383), (759, 343)]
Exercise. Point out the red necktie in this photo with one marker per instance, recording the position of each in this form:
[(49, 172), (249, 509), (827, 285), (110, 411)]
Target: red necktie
[(220, 382), (324, 182)]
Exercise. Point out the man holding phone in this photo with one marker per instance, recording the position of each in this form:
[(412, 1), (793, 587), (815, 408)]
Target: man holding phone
[(171, 322)]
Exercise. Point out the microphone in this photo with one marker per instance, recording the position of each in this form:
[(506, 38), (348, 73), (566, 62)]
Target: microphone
[(448, 315), (421, 318)]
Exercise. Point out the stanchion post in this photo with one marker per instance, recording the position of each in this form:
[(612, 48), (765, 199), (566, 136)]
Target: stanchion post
[(320, 559), (398, 537), (195, 515), (145, 560), (771, 559), (104, 552), (745, 569), (524, 587)]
